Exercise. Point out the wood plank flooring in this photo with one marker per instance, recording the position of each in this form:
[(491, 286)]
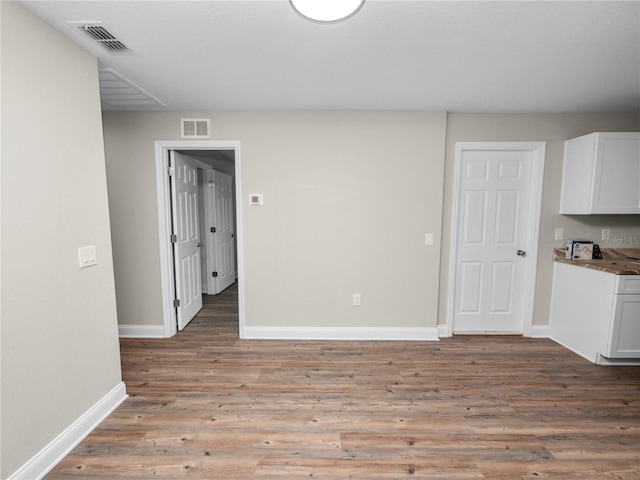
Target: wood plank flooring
[(206, 405)]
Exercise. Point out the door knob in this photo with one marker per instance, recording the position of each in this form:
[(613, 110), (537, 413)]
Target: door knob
[(200, 244), (521, 253)]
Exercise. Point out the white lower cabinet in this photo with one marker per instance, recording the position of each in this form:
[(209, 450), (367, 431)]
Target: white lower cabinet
[(624, 340), (596, 314)]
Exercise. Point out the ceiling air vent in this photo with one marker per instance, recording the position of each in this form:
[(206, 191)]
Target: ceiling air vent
[(120, 93), (195, 128), (98, 33)]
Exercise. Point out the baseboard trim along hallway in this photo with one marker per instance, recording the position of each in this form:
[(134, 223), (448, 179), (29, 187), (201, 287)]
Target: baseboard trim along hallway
[(141, 331), (340, 333), (59, 447)]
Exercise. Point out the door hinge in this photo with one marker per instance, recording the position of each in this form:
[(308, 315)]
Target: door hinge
[(171, 171), (173, 238), (213, 229), (176, 303), (214, 274)]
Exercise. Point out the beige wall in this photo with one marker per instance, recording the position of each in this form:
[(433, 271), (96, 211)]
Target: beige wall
[(348, 197), (59, 347), (553, 129)]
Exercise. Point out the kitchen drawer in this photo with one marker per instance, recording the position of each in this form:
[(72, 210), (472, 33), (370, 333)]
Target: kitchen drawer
[(627, 284)]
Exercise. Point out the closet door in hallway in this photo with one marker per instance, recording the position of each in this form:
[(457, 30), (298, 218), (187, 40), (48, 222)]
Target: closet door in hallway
[(224, 236)]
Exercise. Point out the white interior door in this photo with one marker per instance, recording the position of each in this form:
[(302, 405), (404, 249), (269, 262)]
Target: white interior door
[(224, 241), (187, 245), (492, 241)]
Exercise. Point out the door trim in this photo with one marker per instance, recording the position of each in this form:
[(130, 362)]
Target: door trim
[(537, 150), (163, 193)]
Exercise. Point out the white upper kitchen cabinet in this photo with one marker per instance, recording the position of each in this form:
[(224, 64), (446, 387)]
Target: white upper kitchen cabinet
[(601, 174)]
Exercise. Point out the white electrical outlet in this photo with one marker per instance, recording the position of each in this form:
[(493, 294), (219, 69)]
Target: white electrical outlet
[(606, 234), (356, 299), (559, 233), (428, 238)]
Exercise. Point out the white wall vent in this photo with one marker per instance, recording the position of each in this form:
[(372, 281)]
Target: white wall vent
[(195, 127), (100, 36)]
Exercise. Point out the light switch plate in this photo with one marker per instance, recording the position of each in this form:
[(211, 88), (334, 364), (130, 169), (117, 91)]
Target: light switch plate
[(88, 256), (428, 238), (606, 234), (559, 233)]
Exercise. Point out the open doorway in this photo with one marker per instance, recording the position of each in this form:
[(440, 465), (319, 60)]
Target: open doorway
[(216, 217), (205, 157)]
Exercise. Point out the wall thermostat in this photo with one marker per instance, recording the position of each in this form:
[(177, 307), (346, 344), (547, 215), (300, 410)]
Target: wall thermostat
[(255, 199)]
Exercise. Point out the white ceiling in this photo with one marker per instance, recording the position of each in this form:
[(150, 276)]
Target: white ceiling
[(474, 56)]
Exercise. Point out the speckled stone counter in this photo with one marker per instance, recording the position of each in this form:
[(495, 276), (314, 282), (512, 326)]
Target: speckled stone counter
[(619, 261)]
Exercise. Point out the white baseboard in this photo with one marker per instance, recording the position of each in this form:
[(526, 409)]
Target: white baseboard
[(443, 331), (540, 331), (141, 331), (340, 333), (58, 448), (620, 362)]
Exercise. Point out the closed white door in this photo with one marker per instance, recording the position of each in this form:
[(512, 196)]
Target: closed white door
[(492, 240), (187, 244), (224, 236)]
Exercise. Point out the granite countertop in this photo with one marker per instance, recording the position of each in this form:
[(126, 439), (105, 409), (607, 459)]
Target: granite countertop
[(619, 261)]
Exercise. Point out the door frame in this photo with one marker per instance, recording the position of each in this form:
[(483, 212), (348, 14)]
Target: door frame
[(537, 150), (163, 192)]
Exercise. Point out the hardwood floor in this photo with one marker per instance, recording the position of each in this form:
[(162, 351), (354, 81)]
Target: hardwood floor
[(206, 405)]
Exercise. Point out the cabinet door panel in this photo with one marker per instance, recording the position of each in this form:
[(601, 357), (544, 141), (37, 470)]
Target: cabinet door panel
[(601, 174), (617, 178), (625, 335)]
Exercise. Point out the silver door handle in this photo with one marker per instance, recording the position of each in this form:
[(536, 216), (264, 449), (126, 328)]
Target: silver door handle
[(521, 253), (200, 244)]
